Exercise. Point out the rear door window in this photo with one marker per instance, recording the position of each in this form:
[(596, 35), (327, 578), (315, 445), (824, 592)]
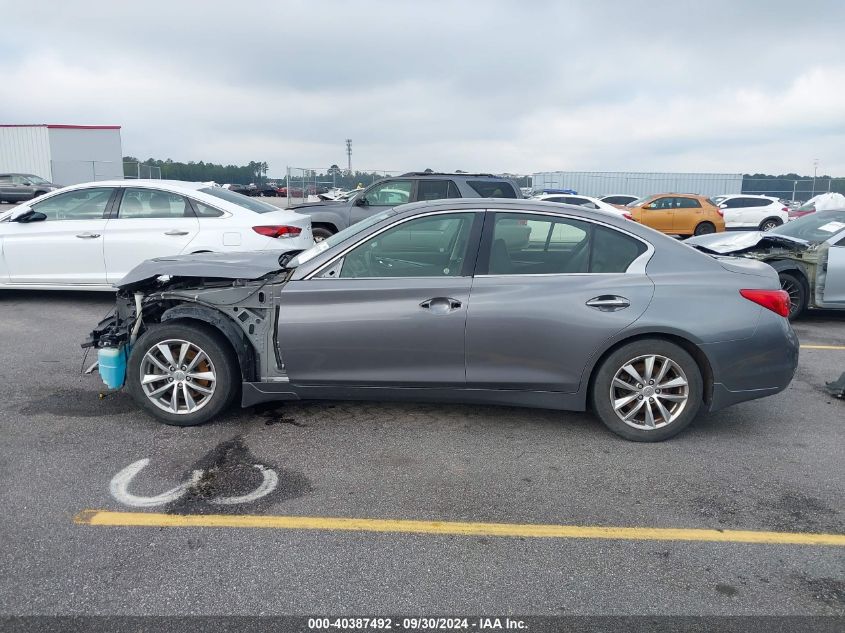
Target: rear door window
[(436, 190), (529, 244), (492, 188), (153, 203), (687, 203)]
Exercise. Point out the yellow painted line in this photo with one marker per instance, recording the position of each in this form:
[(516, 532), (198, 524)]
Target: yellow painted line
[(823, 347), (149, 519)]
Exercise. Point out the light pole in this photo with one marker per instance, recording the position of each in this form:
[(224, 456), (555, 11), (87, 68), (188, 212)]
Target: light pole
[(815, 173)]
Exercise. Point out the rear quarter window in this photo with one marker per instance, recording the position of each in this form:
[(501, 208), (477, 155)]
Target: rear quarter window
[(492, 188), (613, 251)]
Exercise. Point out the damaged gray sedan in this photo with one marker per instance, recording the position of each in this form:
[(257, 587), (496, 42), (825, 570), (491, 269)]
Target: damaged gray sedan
[(511, 302), (808, 254)]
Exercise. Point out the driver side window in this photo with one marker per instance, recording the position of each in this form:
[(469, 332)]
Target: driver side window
[(431, 246), (82, 204), (392, 192)]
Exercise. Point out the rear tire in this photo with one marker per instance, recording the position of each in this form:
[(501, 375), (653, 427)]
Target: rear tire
[(210, 384), (798, 290), (770, 223), (650, 412), (321, 233), (704, 228)]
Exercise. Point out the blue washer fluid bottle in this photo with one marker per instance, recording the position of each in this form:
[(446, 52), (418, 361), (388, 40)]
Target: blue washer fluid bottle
[(112, 364)]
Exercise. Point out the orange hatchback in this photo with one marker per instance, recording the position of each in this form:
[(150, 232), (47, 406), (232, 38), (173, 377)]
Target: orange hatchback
[(678, 214)]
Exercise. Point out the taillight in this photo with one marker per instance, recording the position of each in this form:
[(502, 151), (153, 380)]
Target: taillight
[(775, 300), (785, 209), (720, 212), (628, 216), (278, 231)]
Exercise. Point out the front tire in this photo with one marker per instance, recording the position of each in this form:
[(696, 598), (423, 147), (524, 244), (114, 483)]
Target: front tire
[(647, 391), (798, 291), (182, 374)]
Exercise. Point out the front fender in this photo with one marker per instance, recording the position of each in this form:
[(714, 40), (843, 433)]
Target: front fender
[(242, 347)]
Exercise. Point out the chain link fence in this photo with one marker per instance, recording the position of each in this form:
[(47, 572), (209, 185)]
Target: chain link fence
[(134, 171), (306, 184)]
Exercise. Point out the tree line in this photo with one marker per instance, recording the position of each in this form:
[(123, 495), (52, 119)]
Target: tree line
[(254, 171)]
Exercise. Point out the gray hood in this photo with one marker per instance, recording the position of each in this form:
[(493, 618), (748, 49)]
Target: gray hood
[(245, 265), (736, 241)]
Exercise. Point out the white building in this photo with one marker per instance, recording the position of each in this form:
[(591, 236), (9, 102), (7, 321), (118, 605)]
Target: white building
[(601, 183), (63, 154)]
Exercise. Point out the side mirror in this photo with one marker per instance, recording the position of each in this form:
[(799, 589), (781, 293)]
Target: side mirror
[(361, 201), (723, 206), (29, 216)]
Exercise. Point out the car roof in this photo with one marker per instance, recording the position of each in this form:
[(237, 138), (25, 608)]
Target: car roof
[(745, 195), (181, 185), (175, 186), (516, 205), (430, 174)]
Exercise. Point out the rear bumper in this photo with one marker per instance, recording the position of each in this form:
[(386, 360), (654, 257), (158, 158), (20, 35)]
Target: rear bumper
[(756, 367)]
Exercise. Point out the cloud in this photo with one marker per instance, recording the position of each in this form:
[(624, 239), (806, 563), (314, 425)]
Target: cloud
[(498, 86)]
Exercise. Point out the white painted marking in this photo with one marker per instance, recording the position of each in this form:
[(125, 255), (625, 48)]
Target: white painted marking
[(120, 484), (268, 485)]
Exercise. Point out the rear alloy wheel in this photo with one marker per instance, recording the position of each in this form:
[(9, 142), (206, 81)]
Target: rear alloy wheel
[(321, 233), (770, 223), (796, 288), (648, 390), (182, 374), (705, 228)]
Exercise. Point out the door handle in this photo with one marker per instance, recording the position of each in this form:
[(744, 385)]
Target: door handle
[(87, 236), (441, 305), (609, 303), (175, 232)]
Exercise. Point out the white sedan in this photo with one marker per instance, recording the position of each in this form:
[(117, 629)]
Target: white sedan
[(88, 236), (583, 201)]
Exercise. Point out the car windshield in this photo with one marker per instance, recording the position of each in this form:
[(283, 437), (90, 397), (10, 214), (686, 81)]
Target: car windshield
[(239, 199), (815, 228), (639, 202), (338, 237)]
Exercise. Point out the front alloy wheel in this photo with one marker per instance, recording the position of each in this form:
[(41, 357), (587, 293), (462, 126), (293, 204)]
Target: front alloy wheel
[(178, 376), (797, 291), (183, 373)]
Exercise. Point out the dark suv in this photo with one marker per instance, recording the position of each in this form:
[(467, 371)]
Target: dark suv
[(20, 187), (330, 216)]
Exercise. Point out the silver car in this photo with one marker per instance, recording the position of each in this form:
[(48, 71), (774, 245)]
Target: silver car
[(511, 302), (21, 187)]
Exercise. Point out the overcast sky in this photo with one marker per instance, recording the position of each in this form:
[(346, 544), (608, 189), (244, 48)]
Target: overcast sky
[(721, 86)]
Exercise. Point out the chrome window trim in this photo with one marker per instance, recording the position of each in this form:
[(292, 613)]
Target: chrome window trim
[(317, 271), (636, 267)]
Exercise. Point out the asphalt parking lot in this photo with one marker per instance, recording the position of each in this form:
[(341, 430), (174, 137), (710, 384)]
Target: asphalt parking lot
[(770, 465)]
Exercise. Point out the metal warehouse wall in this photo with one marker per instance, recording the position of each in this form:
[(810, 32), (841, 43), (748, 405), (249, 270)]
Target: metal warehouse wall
[(26, 150), (600, 183), (85, 154)]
